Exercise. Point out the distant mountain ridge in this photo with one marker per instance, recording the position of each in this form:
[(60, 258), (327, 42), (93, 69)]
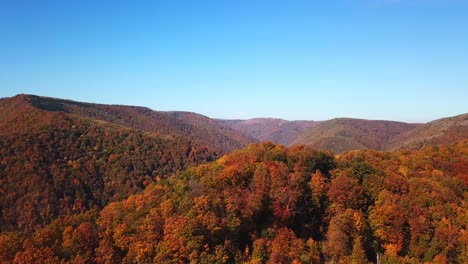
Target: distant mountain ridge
[(443, 131), (189, 125), (270, 129), (343, 134), (340, 135), (337, 135)]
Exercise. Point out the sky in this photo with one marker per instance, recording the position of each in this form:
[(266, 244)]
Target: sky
[(403, 60)]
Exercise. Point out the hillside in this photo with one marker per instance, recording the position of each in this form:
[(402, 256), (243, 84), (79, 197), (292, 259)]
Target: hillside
[(270, 129), (343, 134), (441, 131), (198, 128), (55, 164), (60, 157), (89, 183), (270, 204)]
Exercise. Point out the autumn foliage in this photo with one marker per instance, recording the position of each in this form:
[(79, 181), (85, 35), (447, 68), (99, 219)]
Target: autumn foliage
[(266, 204)]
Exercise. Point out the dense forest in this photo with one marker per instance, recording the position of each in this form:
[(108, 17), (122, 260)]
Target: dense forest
[(72, 165), (89, 183), (344, 134), (340, 135), (276, 130), (196, 127), (234, 132), (271, 204)]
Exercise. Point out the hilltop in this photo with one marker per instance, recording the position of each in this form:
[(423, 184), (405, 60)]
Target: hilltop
[(192, 126)]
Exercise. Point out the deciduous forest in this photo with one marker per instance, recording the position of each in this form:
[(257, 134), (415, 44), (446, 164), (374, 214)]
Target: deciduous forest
[(262, 204), (234, 132)]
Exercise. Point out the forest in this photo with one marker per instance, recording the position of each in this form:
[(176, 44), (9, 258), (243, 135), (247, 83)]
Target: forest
[(234, 132), (71, 165), (263, 204)]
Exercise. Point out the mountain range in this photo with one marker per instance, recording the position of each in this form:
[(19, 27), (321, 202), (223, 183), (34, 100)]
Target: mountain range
[(223, 136), (94, 183), (340, 135), (184, 124), (277, 130)]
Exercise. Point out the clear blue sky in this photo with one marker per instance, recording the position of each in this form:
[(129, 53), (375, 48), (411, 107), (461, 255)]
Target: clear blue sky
[(377, 59)]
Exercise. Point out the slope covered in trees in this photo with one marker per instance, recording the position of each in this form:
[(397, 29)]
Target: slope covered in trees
[(53, 163), (270, 129), (64, 164), (195, 127), (270, 204), (343, 134), (441, 131), (337, 135)]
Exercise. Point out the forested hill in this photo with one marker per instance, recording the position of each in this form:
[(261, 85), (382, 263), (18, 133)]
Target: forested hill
[(88, 183), (270, 204), (276, 130), (344, 134), (195, 127), (441, 131), (53, 163), (337, 135)]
